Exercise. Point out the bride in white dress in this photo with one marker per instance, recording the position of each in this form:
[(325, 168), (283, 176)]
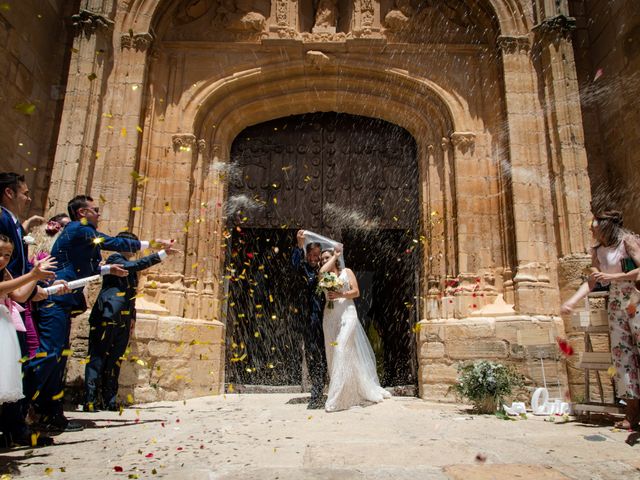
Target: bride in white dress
[(350, 359)]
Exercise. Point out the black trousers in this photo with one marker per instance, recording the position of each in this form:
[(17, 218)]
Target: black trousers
[(316, 358), (108, 340)]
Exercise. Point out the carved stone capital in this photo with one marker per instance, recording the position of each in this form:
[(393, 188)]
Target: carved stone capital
[(555, 28), (183, 142), (511, 45), (202, 145), (88, 22), (138, 41), (463, 141), (216, 149)]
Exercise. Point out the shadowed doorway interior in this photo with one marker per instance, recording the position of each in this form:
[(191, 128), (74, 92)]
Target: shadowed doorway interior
[(352, 178)]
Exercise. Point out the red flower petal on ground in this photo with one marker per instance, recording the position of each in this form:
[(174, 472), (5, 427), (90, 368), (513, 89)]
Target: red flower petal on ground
[(249, 255), (117, 468), (564, 347), (149, 455), (179, 448)]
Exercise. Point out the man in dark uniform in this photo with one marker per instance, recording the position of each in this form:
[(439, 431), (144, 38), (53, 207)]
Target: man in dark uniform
[(306, 265), (111, 321)]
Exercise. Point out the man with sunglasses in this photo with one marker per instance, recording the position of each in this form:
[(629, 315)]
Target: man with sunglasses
[(77, 250)]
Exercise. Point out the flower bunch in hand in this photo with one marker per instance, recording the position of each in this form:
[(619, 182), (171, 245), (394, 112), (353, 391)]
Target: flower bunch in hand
[(329, 282)]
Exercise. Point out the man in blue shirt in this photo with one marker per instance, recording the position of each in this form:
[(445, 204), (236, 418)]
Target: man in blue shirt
[(77, 251), (312, 306)]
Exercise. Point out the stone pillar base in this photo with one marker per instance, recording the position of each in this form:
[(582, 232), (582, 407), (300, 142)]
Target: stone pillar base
[(518, 340), (169, 358)]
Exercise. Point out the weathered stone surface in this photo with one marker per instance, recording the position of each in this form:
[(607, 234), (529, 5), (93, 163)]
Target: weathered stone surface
[(477, 349), (515, 227)]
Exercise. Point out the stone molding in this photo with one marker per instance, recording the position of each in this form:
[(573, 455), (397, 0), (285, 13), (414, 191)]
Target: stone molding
[(183, 142), (463, 141), (137, 41), (560, 26), (88, 22), (516, 44)]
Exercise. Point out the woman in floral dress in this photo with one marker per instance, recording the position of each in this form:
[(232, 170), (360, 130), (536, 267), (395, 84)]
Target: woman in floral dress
[(614, 248)]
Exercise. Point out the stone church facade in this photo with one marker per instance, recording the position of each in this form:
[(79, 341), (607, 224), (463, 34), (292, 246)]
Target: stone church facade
[(159, 92)]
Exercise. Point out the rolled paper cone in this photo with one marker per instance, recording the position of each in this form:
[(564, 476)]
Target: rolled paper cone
[(73, 284), (325, 243)]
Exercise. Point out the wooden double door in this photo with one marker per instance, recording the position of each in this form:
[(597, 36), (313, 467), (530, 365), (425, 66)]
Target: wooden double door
[(352, 178)]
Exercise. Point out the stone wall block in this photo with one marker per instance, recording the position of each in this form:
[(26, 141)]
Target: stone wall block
[(156, 348), (146, 328), (478, 349), (439, 373), (431, 350), (455, 331)]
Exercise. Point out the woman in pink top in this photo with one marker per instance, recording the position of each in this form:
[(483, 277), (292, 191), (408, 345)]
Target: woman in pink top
[(43, 238), (610, 257)]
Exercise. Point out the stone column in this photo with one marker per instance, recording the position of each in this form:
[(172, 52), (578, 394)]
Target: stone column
[(89, 68), (450, 251), (568, 155), (564, 119), (533, 222), (118, 146), (468, 189)]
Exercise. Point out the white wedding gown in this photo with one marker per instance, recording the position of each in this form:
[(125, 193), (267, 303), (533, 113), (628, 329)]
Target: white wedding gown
[(350, 359), (10, 367)]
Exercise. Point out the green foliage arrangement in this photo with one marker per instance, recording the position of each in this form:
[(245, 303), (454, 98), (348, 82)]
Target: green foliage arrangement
[(486, 384)]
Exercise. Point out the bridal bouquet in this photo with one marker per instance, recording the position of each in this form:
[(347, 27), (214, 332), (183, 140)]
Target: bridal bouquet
[(329, 282)]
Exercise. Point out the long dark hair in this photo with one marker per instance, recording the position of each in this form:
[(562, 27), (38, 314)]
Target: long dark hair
[(610, 228), (5, 239)]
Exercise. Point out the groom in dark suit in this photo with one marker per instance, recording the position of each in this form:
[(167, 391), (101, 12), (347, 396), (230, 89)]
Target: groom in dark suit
[(306, 265)]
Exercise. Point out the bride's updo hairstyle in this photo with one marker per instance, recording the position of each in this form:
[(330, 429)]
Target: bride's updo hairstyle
[(610, 227)]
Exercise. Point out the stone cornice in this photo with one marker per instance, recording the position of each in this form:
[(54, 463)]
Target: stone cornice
[(463, 141), (186, 142), (511, 45), (137, 41), (183, 142), (559, 26), (88, 22)]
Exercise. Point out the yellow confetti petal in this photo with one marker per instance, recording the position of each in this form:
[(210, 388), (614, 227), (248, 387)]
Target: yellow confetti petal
[(139, 128), (58, 396), (26, 108), (67, 352), (611, 371), (136, 209), (48, 471), (129, 398), (123, 132)]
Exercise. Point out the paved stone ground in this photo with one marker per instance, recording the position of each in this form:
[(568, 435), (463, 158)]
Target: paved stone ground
[(260, 436)]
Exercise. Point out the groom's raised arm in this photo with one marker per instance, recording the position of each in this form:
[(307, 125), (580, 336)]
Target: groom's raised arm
[(297, 256)]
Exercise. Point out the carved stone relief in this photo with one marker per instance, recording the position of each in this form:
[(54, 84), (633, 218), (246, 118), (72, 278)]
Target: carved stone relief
[(219, 20)]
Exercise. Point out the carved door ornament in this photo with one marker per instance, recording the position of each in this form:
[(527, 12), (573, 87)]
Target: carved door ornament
[(327, 171)]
